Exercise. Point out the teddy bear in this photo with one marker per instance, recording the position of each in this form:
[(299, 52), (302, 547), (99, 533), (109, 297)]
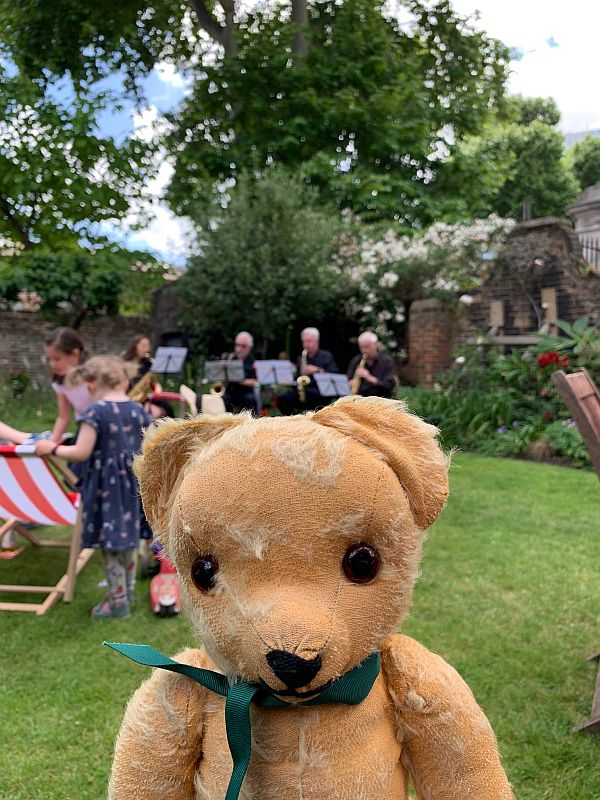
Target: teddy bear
[(297, 542)]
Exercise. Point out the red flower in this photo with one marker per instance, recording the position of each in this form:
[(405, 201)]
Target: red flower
[(552, 357)]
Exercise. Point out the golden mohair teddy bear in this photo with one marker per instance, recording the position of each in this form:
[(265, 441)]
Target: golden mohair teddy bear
[(297, 542)]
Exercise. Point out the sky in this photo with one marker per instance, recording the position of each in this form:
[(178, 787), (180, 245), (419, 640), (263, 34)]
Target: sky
[(554, 54), (555, 44)]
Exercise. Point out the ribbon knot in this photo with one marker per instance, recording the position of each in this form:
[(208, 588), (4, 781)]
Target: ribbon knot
[(351, 688)]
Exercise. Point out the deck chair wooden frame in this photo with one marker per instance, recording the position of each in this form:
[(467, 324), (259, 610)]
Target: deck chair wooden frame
[(582, 398), (190, 398), (31, 492)]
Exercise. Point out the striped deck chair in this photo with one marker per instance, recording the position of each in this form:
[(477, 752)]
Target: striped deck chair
[(31, 492)]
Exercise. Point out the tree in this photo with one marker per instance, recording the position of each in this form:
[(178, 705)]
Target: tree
[(584, 160), (341, 90), (264, 263), (58, 177), (72, 285), (517, 158), (359, 116)]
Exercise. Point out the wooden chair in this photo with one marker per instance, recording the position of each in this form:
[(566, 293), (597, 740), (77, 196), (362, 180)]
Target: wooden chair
[(582, 398), (31, 492)]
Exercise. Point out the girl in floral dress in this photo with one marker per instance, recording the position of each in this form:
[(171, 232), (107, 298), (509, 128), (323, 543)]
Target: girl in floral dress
[(110, 433)]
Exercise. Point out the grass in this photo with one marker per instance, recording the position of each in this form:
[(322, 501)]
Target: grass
[(508, 595)]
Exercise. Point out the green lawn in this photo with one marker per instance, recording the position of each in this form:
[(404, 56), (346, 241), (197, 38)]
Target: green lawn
[(509, 595)]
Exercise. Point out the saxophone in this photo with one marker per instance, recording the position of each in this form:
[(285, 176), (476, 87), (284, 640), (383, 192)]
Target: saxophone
[(145, 385), (356, 379), (302, 381)]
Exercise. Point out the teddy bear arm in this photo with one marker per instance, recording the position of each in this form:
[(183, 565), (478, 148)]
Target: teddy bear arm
[(449, 747), (159, 743)]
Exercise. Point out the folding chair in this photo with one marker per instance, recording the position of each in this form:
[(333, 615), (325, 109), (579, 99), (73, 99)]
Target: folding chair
[(190, 397), (582, 398), (31, 492)]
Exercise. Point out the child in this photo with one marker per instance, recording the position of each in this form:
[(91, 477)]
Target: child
[(65, 350), (12, 435), (110, 433)]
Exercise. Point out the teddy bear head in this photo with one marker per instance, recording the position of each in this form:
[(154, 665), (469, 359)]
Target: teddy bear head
[(296, 539)]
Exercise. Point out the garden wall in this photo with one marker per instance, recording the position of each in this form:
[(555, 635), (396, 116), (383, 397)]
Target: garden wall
[(22, 335), (539, 276), (540, 267)]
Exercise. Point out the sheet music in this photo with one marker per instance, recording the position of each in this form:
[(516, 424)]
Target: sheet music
[(274, 370), (332, 384), (224, 370), (169, 359)]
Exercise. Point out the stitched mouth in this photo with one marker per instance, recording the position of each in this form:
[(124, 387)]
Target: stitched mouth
[(294, 692)]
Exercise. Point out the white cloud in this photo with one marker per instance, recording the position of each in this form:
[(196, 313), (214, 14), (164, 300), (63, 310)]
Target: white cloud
[(565, 72), (168, 74)]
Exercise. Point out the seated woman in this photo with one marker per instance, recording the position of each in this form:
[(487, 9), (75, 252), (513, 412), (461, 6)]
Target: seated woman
[(142, 383)]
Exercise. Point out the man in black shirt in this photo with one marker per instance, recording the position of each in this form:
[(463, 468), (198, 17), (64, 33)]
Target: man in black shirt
[(241, 396), (317, 360), (378, 374)]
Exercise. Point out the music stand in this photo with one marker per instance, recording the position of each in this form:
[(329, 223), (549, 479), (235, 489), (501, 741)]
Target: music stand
[(274, 371), (332, 384), (169, 360), (224, 371)]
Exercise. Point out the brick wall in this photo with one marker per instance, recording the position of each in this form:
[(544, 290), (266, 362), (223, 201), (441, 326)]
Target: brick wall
[(22, 336), (539, 254), (542, 254), (430, 334)]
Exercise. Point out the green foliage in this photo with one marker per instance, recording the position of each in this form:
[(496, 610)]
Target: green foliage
[(581, 339), (503, 405), (264, 263), (71, 284), (565, 440), (359, 116), (584, 160), (516, 158), (58, 177), (361, 113), (139, 281), (525, 110), (91, 40)]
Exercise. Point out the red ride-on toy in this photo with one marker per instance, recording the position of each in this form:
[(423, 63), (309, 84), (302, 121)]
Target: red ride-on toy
[(165, 597)]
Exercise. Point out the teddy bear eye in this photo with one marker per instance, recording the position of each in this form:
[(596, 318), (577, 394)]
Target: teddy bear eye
[(204, 572), (361, 563)]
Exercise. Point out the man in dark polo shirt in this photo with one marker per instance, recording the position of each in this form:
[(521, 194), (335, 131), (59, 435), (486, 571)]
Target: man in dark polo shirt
[(317, 360), (378, 375), (241, 396)]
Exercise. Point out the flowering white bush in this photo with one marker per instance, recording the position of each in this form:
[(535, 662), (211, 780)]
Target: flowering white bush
[(389, 272)]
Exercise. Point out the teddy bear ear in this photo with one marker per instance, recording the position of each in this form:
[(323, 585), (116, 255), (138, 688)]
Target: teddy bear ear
[(406, 443), (167, 447)]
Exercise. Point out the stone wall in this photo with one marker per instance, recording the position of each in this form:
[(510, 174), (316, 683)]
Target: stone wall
[(22, 336)]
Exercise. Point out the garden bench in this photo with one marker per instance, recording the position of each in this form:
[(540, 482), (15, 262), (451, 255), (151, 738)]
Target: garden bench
[(582, 398), (30, 492)]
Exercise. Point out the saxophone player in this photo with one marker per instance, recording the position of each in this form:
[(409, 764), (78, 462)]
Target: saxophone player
[(371, 372), (313, 359), (242, 396)]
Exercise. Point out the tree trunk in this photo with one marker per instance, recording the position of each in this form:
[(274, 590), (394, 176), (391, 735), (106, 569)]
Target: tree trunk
[(300, 21), (223, 35)]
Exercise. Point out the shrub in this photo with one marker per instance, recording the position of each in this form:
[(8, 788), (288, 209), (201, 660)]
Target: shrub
[(506, 404)]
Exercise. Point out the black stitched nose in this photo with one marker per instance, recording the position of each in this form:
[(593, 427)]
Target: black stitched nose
[(291, 669)]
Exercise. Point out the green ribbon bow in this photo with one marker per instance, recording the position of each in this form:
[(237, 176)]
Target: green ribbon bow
[(351, 689)]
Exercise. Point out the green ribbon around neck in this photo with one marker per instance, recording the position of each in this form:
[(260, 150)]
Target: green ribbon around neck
[(351, 689)]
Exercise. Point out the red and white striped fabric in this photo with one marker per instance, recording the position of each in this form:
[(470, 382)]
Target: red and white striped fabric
[(30, 492)]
